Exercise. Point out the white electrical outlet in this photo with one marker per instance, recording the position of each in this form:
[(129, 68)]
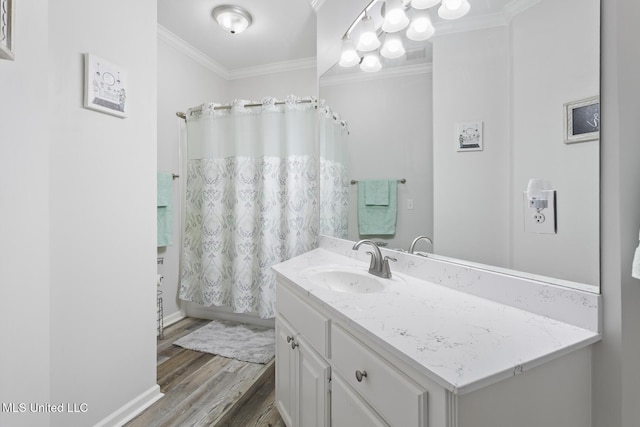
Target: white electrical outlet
[(541, 221)]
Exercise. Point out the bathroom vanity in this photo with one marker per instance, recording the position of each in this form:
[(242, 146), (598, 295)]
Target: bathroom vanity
[(440, 344)]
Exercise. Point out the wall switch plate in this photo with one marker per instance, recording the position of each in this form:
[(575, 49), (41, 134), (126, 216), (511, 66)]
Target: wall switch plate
[(409, 203), (543, 221)]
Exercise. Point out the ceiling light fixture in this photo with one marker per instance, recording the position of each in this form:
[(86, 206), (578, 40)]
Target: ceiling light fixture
[(233, 19), (423, 4), (371, 63)]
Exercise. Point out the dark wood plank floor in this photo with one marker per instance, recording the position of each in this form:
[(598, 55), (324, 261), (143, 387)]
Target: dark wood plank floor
[(202, 389)]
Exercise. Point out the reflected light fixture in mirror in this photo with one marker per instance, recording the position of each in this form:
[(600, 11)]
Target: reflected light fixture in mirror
[(395, 19), (368, 40), (453, 9), (392, 47), (421, 27), (349, 56), (371, 62), (233, 19)]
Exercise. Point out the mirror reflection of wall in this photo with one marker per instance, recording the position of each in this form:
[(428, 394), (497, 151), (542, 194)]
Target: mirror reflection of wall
[(514, 77)]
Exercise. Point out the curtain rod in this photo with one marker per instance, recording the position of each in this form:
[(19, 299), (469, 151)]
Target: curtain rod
[(228, 107), (401, 181)]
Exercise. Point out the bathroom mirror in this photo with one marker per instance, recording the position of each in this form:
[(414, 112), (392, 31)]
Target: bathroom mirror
[(510, 70)]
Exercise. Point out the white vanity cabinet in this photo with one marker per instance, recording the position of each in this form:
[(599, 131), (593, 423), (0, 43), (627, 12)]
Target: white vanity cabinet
[(330, 372)]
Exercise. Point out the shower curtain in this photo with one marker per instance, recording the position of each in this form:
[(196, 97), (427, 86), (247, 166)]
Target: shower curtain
[(334, 173), (251, 199)]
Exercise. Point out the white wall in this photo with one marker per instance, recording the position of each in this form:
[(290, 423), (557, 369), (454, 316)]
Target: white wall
[(78, 267), (471, 195), (616, 368), (550, 68), (390, 132), (24, 219), (102, 211), (182, 83)]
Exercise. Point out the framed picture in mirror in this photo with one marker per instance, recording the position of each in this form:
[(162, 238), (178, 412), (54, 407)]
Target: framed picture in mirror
[(6, 30), (105, 86), (582, 120)]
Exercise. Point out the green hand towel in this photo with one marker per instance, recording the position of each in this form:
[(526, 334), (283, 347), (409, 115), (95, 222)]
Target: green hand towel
[(165, 209), (376, 220), (376, 192)]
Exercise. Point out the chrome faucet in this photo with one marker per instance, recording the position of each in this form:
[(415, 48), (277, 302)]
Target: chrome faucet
[(379, 266), (416, 240)]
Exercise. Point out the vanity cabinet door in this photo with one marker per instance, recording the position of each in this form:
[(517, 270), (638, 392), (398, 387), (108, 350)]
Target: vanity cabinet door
[(302, 379), (313, 387), (286, 373), (348, 410)]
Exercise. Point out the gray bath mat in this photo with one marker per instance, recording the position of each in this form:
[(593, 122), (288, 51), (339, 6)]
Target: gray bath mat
[(239, 341)]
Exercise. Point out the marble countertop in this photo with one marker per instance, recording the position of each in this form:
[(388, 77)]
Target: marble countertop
[(461, 341)]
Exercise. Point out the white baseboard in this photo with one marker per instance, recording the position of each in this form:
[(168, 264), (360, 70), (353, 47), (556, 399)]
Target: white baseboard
[(132, 408), (173, 318), (224, 313)]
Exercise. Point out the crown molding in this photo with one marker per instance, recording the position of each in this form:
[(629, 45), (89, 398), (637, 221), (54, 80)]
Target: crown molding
[(276, 67), (201, 58), (409, 70)]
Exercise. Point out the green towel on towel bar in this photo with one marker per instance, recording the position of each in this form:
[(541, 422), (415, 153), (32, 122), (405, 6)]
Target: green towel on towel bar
[(377, 220), (376, 192), (165, 209)]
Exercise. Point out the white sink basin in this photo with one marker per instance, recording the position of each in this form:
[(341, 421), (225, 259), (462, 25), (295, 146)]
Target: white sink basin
[(344, 279)]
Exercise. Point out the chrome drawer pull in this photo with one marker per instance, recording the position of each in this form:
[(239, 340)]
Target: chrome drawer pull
[(294, 345), (289, 339), (360, 375)]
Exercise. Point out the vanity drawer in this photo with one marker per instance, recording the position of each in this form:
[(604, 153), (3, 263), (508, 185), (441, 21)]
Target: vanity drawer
[(396, 398), (308, 322)]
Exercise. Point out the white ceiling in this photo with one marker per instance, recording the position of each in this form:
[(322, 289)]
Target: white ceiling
[(282, 31)]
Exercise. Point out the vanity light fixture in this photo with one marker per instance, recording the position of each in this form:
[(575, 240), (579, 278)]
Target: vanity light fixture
[(368, 40), (349, 56), (453, 9), (395, 18), (423, 4), (397, 15), (392, 47), (233, 19), (370, 63), (421, 27)]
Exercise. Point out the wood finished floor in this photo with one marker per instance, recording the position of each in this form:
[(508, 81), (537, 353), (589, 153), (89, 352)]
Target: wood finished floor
[(202, 389)]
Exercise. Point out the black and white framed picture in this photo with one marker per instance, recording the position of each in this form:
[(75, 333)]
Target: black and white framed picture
[(105, 86), (469, 136), (582, 120), (6, 29)]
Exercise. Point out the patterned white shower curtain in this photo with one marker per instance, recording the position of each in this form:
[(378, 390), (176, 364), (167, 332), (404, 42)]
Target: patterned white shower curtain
[(334, 173), (251, 200)]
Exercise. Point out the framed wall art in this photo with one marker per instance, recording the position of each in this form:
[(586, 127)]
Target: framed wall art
[(6, 29), (582, 120), (469, 136), (105, 86)]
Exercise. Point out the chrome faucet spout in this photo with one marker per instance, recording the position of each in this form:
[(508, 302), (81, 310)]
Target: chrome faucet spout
[(379, 266), (416, 240)]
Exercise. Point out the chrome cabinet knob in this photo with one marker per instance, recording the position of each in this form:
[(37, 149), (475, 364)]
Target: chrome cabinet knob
[(360, 375), (289, 339), (294, 345)]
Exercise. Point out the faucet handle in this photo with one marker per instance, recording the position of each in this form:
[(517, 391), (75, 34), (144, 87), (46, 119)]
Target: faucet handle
[(390, 258)]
